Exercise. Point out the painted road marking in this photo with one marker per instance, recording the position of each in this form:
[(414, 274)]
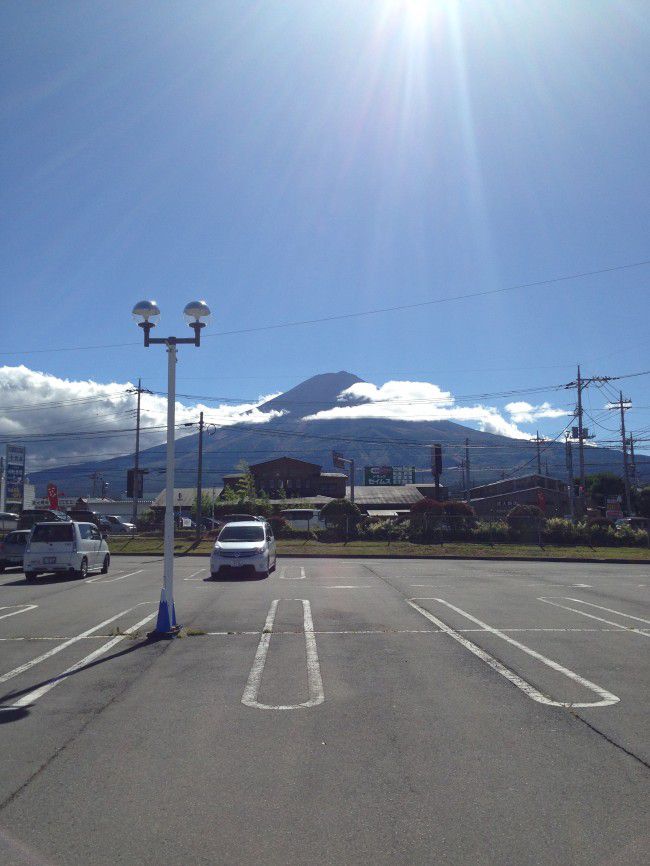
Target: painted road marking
[(194, 576), (607, 698), (316, 693), (25, 609), (33, 696), (101, 578), (610, 610), (629, 628), (57, 649), (348, 586), (284, 576), (581, 585)]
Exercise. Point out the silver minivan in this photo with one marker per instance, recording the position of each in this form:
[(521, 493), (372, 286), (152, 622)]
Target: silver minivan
[(65, 547)]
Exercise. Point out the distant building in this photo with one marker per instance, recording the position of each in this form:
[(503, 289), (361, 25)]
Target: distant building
[(296, 479), (496, 500)]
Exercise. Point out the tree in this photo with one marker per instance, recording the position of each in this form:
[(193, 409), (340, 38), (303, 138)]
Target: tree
[(338, 512), (604, 484), (643, 502), (246, 484), (427, 506)]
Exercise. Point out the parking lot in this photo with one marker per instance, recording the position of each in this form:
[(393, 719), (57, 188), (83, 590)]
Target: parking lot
[(341, 711)]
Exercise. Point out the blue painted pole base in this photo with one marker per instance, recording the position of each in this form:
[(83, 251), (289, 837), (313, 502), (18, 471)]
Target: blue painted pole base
[(166, 623)]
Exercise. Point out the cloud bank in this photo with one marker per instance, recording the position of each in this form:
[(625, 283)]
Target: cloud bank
[(424, 401), (65, 421)]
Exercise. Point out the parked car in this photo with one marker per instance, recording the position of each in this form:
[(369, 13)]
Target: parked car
[(85, 515), (633, 522), (12, 549), (30, 516), (8, 520), (211, 524), (65, 547), (247, 544), (112, 523)]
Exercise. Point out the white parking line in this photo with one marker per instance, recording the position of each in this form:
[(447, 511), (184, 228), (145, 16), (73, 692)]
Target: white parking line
[(25, 609), (316, 693), (101, 578), (607, 698), (194, 576), (57, 649), (347, 586), (33, 696), (284, 576), (629, 628), (609, 610)]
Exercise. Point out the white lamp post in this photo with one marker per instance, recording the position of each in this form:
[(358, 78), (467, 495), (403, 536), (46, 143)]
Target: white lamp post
[(148, 311)]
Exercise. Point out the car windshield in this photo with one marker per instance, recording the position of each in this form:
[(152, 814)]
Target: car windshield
[(242, 533), (53, 532)]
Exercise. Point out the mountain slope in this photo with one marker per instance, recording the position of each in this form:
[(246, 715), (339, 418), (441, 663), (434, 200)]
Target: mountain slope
[(368, 441)]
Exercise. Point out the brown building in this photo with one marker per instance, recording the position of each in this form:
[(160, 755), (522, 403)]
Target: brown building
[(496, 500), (297, 478)]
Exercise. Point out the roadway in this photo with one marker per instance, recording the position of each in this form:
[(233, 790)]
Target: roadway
[(341, 711)]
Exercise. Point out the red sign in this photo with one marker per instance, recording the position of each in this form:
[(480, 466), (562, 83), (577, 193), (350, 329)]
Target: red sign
[(53, 495)]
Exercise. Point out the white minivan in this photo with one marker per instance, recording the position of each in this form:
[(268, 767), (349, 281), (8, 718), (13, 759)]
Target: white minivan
[(70, 547), (244, 544)]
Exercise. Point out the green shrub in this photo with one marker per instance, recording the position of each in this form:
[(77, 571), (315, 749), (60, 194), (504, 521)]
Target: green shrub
[(492, 531), (558, 530)]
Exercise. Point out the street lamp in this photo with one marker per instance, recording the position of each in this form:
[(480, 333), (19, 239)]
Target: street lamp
[(149, 312)]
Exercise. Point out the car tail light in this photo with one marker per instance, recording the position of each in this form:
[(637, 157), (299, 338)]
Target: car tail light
[(2, 545), (74, 546)]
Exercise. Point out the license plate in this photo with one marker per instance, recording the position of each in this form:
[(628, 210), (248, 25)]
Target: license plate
[(49, 560)]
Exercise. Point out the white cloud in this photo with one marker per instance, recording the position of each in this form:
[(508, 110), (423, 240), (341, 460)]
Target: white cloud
[(415, 401), (525, 413), (47, 414)]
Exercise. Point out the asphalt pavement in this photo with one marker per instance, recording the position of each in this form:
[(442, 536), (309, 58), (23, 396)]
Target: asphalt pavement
[(340, 711)]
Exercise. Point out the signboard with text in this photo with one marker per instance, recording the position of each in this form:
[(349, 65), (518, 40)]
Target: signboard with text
[(388, 476), (14, 477)]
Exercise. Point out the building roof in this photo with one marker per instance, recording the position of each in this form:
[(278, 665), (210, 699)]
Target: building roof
[(185, 497), (373, 496), (284, 461)]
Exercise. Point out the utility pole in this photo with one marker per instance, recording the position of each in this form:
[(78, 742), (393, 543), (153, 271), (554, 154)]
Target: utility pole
[(580, 384), (622, 405), (467, 478), (539, 453), (95, 477), (581, 444), (632, 462), (569, 469), (199, 481)]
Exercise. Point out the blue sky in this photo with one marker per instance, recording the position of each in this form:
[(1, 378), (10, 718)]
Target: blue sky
[(296, 159)]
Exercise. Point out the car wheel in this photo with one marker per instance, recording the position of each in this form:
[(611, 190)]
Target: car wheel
[(30, 576), (214, 575), (107, 562), (2, 568), (83, 570)]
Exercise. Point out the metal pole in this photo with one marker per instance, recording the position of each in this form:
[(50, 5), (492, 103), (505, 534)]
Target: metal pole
[(199, 481), (539, 455), (467, 479), (166, 612), (626, 472), (136, 471), (352, 481)]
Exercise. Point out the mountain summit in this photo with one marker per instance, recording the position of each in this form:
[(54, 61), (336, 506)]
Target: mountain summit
[(313, 395)]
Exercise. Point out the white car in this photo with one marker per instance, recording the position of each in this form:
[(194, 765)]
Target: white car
[(69, 547), (244, 544)]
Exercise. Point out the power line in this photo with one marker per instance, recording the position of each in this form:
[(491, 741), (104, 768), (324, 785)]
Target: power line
[(341, 316)]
